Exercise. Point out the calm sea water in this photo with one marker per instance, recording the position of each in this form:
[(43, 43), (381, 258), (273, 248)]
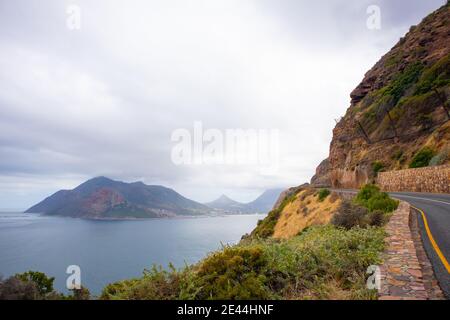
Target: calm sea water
[(107, 251)]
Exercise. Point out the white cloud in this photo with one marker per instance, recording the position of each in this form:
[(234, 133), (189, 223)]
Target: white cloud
[(105, 99)]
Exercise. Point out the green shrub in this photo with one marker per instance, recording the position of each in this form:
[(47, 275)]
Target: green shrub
[(434, 77), (43, 283), (382, 202), (365, 193), (422, 158), (373, 199), (404, 81), (377, 166), (118, 290), (155, 284), (323, 194), (234, 273)]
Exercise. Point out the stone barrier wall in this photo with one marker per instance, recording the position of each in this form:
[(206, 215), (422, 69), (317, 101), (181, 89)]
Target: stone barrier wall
[(429, 179), (401, 273)]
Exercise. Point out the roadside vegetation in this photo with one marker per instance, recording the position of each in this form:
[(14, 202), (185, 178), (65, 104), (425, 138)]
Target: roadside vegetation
[(266, 227), (34, 285), (321, 262), (422, 158)]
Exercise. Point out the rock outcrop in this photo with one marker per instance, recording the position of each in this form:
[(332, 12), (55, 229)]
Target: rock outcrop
[(322, 177), (400, 107)]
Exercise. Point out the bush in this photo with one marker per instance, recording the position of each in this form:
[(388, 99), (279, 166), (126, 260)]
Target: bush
[(373, 199), (234, 273), (31, 285), (118, 290), (377, 166), (404, 81), (365, 193), (323, 194), (16, 289), (382, 202), (43, 283), (422, 158), (80, 294), (350, 215), (377, 218), (155, 284), (436, 76), (34, 285)]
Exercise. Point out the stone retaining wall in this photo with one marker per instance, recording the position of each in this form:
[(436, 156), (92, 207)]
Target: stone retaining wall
[(429, 179), (401, 273)]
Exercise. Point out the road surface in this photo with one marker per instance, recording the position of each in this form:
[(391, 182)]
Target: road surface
[(435, 230)]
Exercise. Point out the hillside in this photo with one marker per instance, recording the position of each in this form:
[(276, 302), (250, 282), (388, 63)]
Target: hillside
[(400, 109), (105, 198), (303, 211)]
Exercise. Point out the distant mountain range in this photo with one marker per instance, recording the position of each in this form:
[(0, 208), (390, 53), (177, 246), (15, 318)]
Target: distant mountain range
[(263, 204), (103, 198)]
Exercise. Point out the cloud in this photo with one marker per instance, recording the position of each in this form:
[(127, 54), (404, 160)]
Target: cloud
[(104, 100)]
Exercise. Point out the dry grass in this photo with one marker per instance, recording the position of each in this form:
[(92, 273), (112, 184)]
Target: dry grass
[(303, 212)]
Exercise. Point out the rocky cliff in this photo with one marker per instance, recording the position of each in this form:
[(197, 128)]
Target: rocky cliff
[(400, 108)]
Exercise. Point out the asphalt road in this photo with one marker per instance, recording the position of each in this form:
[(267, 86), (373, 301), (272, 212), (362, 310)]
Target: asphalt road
[(436, 208)]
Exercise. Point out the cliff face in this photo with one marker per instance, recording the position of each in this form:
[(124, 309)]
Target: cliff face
[(400, 107)]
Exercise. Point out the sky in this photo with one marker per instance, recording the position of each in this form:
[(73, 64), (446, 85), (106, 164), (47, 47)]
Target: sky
[(102, 95)]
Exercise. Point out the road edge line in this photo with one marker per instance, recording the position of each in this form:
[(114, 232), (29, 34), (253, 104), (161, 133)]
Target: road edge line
[(432, 241)]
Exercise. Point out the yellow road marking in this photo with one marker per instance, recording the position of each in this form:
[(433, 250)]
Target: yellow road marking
[(433, 243)]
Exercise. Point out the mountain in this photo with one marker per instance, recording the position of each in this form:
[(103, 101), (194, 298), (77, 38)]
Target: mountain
[(265, 202), (103, 198), (398, 111), (226, 204), (262, 204)]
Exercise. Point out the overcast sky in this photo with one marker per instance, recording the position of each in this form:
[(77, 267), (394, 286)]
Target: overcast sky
[(105, 99)]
